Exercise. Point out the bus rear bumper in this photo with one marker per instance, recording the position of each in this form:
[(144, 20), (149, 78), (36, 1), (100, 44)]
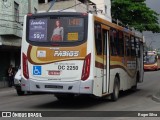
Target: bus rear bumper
[(75, 87)]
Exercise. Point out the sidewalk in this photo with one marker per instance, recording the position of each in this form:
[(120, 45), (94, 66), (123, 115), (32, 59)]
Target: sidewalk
[(156, 97), (7, 89), (3, 84)]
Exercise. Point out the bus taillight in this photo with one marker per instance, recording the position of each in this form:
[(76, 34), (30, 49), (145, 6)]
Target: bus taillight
[(86, 67), (25, 66)]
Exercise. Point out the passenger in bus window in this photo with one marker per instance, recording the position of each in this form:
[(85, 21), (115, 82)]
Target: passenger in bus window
[(57, 32)]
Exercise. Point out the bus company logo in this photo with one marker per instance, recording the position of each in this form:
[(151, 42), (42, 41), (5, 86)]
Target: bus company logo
[(21, 114), (6, 114), (66, 53), (41, 54)]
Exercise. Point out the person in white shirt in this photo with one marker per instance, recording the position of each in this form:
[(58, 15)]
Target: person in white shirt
[(57, 32)]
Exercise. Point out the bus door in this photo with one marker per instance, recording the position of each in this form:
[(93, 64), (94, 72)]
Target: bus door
[(127, 58), (141, 62), (105, 31)]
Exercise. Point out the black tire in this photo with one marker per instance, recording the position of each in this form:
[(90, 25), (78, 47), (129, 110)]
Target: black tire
[(19, 91), (116, 87)]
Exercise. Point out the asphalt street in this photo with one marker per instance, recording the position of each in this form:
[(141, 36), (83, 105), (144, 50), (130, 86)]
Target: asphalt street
[(140, 100)]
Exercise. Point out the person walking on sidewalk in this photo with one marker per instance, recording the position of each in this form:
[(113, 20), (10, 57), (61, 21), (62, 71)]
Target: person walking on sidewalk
[(10, 76)]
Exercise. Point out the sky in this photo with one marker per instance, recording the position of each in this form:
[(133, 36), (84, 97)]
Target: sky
[(150, 38)]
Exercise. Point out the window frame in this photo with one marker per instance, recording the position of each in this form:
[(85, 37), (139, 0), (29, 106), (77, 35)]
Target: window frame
[(133, 47), (121, 43), (67, 14), (127, 45), (113, 41), (16, 11), (98, 38), (137, 46)]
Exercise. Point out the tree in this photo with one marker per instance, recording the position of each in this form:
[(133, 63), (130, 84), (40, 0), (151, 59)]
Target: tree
[(135, 13)]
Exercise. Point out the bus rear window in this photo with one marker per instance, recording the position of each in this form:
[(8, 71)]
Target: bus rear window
[(55, 29)]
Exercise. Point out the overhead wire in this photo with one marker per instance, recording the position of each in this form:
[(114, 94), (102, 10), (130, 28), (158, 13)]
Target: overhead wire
[(69, 7)]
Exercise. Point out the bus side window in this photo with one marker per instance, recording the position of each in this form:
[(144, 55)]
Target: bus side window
[(98, 38), (133, 51), (113, 42), (127, 46), (121, 43), (137, 43)]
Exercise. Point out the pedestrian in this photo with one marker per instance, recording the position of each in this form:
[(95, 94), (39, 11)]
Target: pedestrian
[(10, 76)]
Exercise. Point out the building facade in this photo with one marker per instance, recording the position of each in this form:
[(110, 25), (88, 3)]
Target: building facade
[(11, 24), (103, 8), (61, 5), (100, 7)]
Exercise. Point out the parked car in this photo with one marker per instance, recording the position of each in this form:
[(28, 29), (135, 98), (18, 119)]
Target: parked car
[(17, 83)]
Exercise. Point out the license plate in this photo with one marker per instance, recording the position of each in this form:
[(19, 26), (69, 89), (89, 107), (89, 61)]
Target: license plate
[(53, 72), (54, 86)]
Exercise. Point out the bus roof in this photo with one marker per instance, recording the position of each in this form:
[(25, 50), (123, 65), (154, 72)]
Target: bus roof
[(57, 13)]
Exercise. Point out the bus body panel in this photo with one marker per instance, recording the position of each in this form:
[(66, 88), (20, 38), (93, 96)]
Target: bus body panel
[(127, 77), (59, 70), (75, 87), (49, 73)]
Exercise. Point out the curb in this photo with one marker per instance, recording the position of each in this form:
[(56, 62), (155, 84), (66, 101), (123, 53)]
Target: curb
[(156, 97)]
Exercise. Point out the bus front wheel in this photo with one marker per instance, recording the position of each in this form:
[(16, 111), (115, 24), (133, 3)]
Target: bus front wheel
[(116, 87), (19, 91)]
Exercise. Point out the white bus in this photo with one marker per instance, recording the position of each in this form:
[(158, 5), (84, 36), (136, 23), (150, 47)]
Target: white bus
[(70, 53)]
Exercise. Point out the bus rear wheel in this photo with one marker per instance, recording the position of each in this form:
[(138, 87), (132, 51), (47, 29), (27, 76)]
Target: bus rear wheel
[(19, 91), (116, 87)]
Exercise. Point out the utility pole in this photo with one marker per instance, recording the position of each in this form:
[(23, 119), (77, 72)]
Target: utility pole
[(29, 6)]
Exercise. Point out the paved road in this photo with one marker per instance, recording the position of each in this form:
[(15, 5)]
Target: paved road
[(141, 100)]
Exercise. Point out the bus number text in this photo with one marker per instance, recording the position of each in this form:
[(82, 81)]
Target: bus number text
[(62, 67)]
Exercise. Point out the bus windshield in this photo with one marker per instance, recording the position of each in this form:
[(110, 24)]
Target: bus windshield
[(52, 29), (150, 59)]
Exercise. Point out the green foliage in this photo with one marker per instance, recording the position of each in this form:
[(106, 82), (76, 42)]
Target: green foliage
[(135, 13)]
